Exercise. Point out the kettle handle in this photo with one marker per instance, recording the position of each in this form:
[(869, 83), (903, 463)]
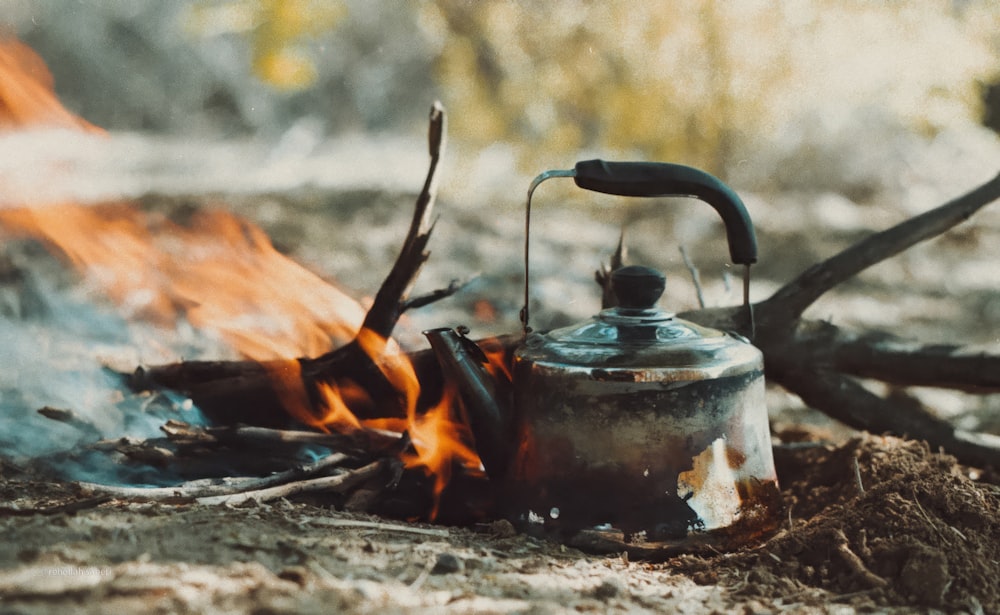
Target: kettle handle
[(651, 179), (657, 179)]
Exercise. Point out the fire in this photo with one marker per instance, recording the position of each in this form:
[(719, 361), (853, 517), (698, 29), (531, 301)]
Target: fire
[(26, 94), (222, 275), (219, 273), (498, 363), (334, 400), (439, 441)]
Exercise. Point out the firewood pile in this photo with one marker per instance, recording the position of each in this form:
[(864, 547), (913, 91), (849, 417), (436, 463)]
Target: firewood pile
[(254, 450)]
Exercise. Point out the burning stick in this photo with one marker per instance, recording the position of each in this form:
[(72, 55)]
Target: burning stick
[(242, 392), (366, 441), (390, 302)]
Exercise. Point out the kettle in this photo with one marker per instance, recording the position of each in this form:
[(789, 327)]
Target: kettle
[(634, 423)]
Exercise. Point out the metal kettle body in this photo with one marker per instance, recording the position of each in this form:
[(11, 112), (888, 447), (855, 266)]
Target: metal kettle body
[(634, 421), (642, 422)]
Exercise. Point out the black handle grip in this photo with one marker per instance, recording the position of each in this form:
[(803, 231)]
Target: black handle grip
[(665, 179)]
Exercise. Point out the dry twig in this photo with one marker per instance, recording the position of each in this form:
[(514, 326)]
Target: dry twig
[(222, 488), (337, 484), (695, 276), (380, 526), (68, 508), (843, 549)]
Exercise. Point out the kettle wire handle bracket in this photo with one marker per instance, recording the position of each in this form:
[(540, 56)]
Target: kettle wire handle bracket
[(658, 179)]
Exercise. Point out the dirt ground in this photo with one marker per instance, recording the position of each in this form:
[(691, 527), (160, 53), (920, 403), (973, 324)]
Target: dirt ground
[(874, 524)]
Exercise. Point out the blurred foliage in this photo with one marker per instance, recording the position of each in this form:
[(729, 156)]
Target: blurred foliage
[(656, 78), (696, 81), (277, 28), (700, 81)]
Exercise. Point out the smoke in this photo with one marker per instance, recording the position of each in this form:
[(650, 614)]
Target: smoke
[(57, 345)]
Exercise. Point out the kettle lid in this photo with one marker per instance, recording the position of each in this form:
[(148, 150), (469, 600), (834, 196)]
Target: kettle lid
[(636, 334)]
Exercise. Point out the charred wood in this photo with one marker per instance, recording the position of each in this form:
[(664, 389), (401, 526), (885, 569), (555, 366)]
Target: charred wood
[(242, 392), (897, 361), (390, 301)]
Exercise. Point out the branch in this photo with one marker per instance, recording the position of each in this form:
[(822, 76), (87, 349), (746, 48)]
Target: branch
[(337, 484), (225, 487), (242, 392), (843, 398), (791, 300), (390, 301), (442, 293), (885, 357), (365, 440)]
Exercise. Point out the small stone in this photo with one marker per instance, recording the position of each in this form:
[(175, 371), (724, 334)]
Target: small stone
[(611, 587), (502, 528), (295, 574), (925, 575), (481, 563), (447, 564)]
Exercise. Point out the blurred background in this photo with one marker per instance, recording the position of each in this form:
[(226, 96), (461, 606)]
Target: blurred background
[(718, 85), (832, 118)]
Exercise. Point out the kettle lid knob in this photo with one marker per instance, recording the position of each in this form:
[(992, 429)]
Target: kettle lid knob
[(637, 287)]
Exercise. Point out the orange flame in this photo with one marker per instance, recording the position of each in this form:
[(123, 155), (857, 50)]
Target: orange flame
[(222, 274), (216, 271), (498, 363), (334, 403), (438, 439), (26, 92)]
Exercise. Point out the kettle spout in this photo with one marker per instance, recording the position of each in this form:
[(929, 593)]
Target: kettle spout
[(486, 398)]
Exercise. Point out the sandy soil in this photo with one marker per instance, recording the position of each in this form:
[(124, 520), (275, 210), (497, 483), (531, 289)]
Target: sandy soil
[(901, 529)]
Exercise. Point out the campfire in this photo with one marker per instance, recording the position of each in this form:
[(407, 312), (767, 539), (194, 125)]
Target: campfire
[(220, 275)]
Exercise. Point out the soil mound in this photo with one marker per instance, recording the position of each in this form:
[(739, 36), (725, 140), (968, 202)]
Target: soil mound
[(878, 521)]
